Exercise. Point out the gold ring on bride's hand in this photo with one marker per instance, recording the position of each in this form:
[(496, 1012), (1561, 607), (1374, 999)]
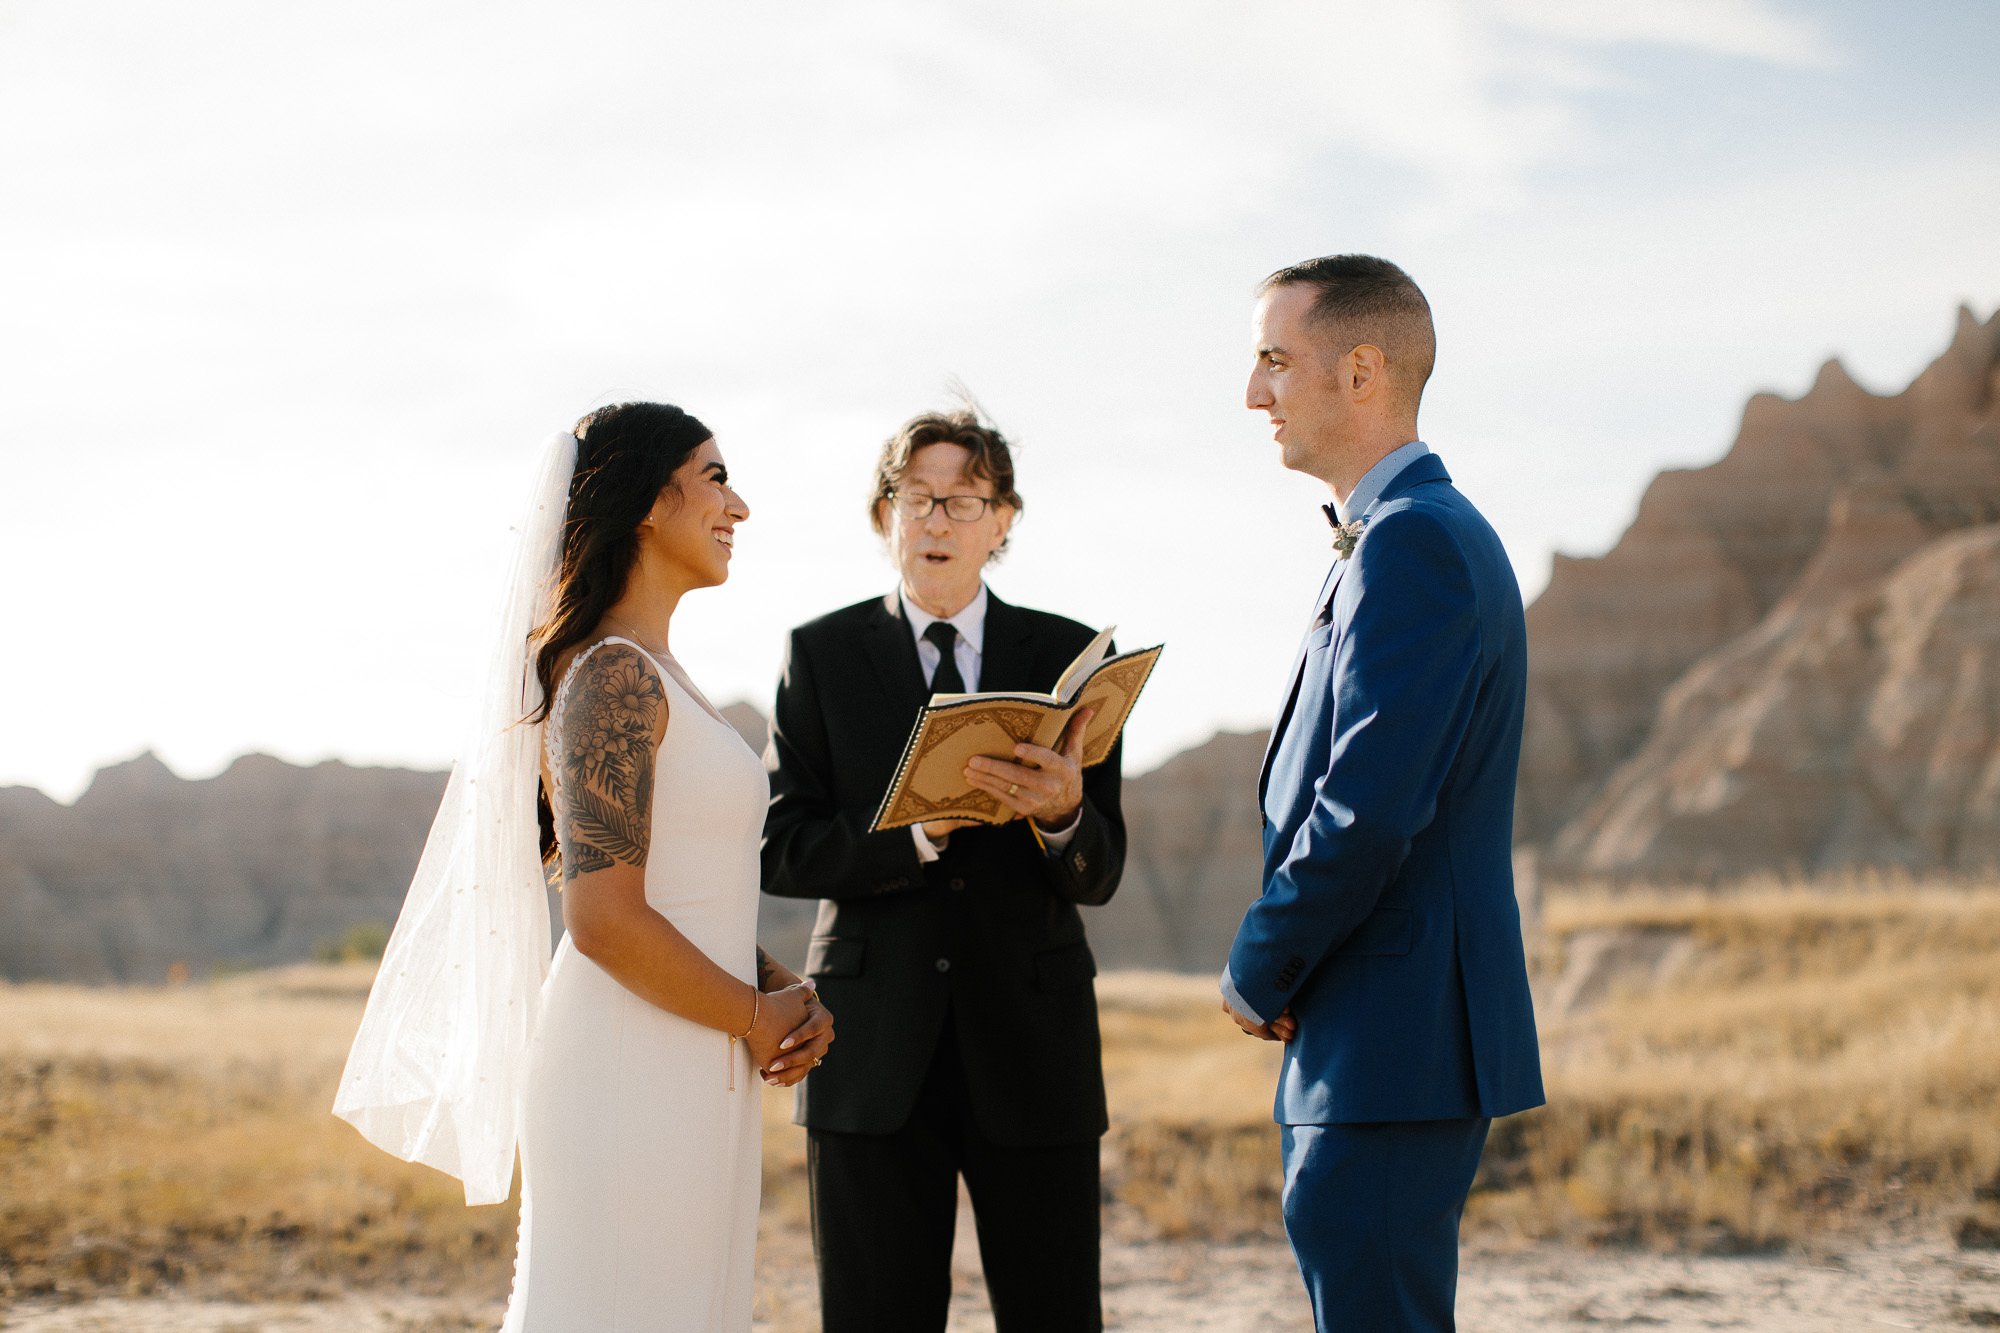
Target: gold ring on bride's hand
[(1013, 787)]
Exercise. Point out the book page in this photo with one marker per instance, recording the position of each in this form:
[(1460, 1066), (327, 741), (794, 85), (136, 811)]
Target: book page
[(1077, 672)]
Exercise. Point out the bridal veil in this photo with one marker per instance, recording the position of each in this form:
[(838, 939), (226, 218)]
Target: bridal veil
[(436, 1069)]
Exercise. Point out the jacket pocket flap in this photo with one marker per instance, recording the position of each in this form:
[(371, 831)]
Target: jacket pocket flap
[(1385, 932), (830, 957), (1064, 965)]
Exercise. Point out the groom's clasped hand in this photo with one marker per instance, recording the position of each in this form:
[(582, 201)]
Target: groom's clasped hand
[(1282, 1028)]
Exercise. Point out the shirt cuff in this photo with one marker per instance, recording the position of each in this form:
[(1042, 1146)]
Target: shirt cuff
[(927, 851), (1236, 1001), (1054, 840)]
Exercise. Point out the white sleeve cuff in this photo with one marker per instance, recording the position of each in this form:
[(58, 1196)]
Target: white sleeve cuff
[(927, 851), (1236, 1001), (1057, 839)]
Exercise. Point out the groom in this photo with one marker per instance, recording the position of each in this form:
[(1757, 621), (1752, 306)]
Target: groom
[(1385, 949)]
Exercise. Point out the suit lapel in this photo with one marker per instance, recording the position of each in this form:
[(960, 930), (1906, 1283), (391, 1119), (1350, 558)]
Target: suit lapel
[(1007, 654), (1327, 589), (892, 651), (1421, 470)]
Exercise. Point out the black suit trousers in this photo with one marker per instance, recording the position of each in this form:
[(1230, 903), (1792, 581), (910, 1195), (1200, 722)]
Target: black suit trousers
[(885, 1207)]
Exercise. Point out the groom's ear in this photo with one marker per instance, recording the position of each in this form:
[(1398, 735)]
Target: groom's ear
[(1365, 372)]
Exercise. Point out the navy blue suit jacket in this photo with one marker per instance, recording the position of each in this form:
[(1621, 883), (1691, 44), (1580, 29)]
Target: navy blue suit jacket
[(1387, 921)]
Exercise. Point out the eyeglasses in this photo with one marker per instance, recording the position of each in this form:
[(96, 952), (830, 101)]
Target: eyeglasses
[(957, 508)]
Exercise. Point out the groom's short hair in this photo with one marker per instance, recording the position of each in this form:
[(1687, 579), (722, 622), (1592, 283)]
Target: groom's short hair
[(1362, 299)]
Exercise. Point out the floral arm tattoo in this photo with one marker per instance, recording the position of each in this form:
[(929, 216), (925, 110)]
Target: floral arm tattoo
[(604, 804), (767, 969)]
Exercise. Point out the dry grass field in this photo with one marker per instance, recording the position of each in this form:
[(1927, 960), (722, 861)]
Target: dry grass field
[(1729, 1073), (178, 1139), (1773, 1065)]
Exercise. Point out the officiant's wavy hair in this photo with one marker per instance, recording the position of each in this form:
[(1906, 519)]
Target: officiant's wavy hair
[(1362, 299), (626, 454), (992, 458)]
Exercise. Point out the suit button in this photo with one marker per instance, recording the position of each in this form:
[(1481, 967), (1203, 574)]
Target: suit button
[(944, 964), (957, 885)]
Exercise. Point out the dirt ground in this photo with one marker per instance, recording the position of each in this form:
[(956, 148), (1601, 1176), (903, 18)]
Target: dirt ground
[(1184, 1288)]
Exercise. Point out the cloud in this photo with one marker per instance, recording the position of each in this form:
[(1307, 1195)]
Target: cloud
[(290, 286), (1742, 29)]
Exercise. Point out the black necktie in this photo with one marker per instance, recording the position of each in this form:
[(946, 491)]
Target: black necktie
[(945, 680)]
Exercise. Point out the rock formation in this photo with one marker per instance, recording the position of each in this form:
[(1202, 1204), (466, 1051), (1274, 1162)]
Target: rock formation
[(1194, 860), (256, 865), (267, 861), (1863, 731), (1731, 569)]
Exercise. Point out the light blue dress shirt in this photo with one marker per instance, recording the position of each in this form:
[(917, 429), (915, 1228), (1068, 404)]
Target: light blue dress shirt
[(1376, 480)]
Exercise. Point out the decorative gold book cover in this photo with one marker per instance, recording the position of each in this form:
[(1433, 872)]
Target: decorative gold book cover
[(930, 782)]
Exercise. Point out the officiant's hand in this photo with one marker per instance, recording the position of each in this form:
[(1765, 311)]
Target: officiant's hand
[(1046, 785)]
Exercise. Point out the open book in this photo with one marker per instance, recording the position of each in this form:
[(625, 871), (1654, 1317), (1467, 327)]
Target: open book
[(930, 782)]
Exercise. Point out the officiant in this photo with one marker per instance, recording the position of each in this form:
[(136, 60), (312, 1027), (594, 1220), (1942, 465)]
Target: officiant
[(954, 953)]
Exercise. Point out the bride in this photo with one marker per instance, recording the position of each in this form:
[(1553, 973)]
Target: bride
[(622, 1068)]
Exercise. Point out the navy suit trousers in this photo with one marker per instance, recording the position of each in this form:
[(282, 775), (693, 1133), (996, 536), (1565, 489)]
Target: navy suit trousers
[(1372, 1212)]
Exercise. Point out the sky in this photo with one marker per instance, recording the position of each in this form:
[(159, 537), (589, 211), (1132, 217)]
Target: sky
[(289, 294)]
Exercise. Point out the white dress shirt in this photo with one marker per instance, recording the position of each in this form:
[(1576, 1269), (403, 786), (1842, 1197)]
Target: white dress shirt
[(968, 651)]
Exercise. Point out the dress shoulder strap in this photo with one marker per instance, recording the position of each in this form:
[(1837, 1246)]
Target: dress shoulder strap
[(569, 674)]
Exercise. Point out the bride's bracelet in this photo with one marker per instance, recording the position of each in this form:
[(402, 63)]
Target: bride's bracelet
[(756, 1005)]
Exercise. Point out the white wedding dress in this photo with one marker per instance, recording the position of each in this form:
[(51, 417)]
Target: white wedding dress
[(639, 1162)]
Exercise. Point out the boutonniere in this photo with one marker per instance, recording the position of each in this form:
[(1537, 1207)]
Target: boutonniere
[(1345, 537)]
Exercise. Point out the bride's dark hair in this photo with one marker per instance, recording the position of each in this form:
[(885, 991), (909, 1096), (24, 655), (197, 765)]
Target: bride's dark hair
[(626, 454)]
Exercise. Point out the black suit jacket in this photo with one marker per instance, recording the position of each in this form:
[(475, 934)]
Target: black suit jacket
[(988, 935)]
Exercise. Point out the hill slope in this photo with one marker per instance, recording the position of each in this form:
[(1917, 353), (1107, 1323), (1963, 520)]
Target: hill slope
[(1819, 505)]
